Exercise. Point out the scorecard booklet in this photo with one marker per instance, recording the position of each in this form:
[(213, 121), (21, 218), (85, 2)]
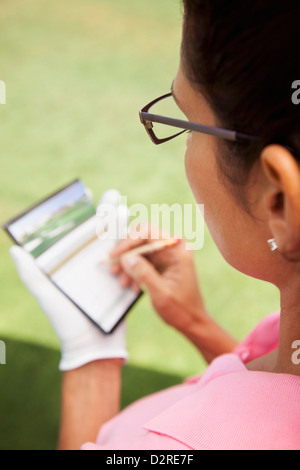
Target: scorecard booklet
[(60, 232)]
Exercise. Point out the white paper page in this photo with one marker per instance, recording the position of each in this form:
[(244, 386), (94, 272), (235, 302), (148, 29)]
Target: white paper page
[(91, 286), (68, 245), (73, 264)]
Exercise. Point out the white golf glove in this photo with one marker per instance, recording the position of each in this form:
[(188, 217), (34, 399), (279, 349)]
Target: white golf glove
[(81, 341)]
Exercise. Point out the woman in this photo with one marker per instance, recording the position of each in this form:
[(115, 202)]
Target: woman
[(238, 63)]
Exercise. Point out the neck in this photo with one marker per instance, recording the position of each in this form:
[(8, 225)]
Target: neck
[(289, 329)]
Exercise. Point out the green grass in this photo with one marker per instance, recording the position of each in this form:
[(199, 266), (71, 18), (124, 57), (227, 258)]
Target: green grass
[(76, 74)]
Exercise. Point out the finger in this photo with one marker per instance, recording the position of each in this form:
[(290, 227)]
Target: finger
[(125, 245), (125, 280), (31, 275), (143, 273), (139, 235), (135, 287), (26, 266), (111, 196), (116, 268)]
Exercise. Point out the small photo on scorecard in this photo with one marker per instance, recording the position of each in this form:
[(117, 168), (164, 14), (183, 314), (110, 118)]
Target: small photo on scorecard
[(60, 232)]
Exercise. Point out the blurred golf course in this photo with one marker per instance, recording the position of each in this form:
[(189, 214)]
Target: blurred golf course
[(76, 73)]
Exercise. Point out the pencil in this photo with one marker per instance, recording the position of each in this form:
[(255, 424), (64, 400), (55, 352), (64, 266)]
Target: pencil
[(145, 249)]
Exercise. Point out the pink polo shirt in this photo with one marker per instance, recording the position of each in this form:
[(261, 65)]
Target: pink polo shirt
[(227, 408)]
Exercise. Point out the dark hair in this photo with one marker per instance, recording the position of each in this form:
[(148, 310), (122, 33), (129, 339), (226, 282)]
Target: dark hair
[(243, 55)]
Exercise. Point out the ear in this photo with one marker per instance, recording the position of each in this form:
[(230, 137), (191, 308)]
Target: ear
[(283, 198)]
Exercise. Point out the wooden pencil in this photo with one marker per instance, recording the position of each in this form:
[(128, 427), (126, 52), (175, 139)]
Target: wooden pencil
[(146, 249)]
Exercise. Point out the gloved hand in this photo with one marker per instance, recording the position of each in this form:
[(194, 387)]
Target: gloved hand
[(81, 341)]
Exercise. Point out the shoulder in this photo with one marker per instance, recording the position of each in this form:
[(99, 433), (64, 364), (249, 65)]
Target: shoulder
[(235, 409)]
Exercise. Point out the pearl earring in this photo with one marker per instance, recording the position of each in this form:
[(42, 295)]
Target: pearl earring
[(272, 244)]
